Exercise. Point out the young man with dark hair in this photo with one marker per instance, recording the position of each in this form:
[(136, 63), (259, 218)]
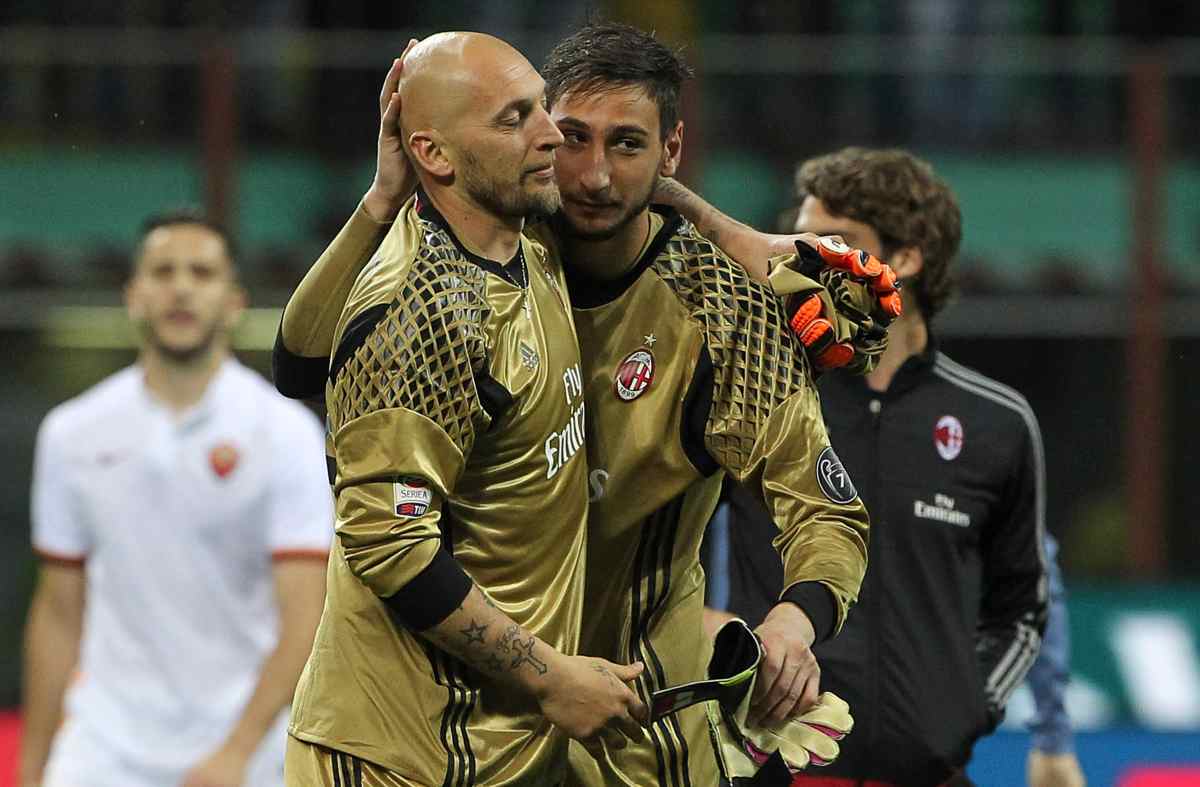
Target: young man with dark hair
[(182, 528), (951, 466), (688, 369)]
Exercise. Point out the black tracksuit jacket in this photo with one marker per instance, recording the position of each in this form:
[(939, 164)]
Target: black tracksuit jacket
[(950, 615)]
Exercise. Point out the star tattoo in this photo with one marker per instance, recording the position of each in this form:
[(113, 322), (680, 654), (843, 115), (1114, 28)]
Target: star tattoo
[(474, 632)]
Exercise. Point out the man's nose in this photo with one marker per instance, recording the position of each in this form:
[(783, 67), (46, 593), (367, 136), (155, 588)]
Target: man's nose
[(598, 175)]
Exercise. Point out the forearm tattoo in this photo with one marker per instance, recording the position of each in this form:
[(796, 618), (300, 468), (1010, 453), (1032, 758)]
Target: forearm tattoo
[(497, 655)]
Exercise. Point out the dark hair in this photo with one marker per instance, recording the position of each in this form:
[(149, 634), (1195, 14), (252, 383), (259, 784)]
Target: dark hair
[(183, 217), (900, 197), (604, 55)]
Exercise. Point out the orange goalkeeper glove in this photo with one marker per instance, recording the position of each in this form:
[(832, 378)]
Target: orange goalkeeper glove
[(840, 303)]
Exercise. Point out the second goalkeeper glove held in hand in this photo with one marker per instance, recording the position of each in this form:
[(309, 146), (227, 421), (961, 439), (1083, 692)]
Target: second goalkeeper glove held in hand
[(742, 749)]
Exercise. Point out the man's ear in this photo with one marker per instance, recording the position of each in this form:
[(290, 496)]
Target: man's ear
[(907, 262), (236, 306), (672, 151), (428, 152), (133, 304)]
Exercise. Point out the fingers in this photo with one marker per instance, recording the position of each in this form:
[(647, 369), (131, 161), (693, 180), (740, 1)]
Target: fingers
[(767, 688), (637, 710), (626, 673), (613, 738), (630, 726), (794, 687), (594, 747), (782, 702), (390, 121), (391, 83), (809, 694)]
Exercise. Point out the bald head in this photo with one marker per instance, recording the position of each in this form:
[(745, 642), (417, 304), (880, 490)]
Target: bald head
[(473, 116), (449, 77)]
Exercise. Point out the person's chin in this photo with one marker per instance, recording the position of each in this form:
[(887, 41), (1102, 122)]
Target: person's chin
[(591, 228), (183, 348), (544, 200)]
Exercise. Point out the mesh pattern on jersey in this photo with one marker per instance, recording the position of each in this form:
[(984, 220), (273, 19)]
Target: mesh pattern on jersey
[(756, 365), (422, 354)]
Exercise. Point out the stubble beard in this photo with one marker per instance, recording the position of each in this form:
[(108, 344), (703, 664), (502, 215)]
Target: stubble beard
[(508, 200), (614, 229)]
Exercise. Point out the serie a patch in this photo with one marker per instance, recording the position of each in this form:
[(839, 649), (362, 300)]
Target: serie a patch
[(411, 495)]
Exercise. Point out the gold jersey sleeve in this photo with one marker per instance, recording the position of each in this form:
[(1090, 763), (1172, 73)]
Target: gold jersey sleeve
[(691, 373), (312, 312), (403, 407), (456, 413), (764, 425)]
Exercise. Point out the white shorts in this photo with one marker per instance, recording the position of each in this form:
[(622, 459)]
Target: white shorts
[(80, 759)]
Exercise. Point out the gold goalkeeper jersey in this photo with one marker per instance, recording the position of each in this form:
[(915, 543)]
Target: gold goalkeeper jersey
[(690, 369), (456, 412)]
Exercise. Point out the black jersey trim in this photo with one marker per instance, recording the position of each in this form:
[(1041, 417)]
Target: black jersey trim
[(588, 292), (355, 335), (655, 551), (461, 698), (494, 397), (432, 595), (467, 697), (818, 604), (697, 405), (297, 376), (515, 271), (645, 682)]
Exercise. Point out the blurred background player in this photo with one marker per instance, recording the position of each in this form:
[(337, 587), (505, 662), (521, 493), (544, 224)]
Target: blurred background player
[(640, 280), (951, 466), (1052, 761), (446, 653), (183, 528)]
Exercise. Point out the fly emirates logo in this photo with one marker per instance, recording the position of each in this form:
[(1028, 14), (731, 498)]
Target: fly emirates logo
[(564, 443)]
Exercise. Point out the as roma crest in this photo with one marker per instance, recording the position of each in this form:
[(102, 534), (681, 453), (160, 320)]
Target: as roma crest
[(634, 375), (223, 458)]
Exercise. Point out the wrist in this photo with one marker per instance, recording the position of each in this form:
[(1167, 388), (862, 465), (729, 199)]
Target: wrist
[(788, 613), (241, 745), (541, 683), (381, 204)]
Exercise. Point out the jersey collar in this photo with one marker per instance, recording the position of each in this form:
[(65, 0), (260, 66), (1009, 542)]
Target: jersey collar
[(514, 271), (589, 292)]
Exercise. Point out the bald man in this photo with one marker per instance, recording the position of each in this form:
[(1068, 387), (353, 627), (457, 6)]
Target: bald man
[(446, 651)]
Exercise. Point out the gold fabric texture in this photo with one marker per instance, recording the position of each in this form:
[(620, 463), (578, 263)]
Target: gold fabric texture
[(650, 503), (465, 376)]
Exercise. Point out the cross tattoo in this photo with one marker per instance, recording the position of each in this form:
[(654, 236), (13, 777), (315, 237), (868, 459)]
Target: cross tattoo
[(525, 654)]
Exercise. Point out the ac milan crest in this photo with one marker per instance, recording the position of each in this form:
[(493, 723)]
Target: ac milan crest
[(948, 437), (634, 375), (223, 458)]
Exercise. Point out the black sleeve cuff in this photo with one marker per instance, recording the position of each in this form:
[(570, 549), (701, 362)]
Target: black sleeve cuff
[(818, 603), (432, 595), (297, 376)]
